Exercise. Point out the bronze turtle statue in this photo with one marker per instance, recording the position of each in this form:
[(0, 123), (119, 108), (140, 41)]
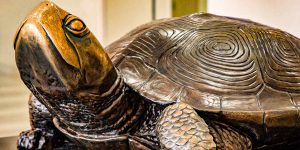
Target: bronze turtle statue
[(195, 82)]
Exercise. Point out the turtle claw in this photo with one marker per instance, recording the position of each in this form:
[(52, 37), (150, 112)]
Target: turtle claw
[(32, 140)]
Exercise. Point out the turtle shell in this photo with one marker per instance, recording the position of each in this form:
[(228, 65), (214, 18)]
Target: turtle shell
[(245, 71)]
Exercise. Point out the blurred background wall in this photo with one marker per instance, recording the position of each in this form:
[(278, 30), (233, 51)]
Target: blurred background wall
[(109, 20), (282, 14), (13, 94)]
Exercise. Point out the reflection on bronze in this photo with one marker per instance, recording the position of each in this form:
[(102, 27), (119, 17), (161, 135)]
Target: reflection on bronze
[(196, 82)]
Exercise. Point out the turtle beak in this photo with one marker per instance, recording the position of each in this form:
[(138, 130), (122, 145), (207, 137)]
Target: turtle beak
[(50, 16), (51, 43), (43, 53)]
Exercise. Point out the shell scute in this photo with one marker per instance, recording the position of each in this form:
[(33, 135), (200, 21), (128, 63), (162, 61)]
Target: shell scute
[(271, 99), (200, 100), (160, 89), (134, 71), (241, 103)]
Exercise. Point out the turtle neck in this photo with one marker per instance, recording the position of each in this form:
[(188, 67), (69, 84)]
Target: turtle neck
[(112, 112)]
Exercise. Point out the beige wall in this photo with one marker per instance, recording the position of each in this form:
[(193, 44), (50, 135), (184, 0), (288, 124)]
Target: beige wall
[(163, 9), (13, 94), (121, 16), (12, 13), (283, 14)]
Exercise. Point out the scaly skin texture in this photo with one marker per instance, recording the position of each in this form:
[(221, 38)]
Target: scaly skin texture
[(228, 138), (43, 134), (181, 128)]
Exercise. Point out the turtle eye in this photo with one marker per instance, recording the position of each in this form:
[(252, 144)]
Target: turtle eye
[(76, 26)]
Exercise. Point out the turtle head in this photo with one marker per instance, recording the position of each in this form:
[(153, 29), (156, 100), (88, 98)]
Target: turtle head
[(57, 54)]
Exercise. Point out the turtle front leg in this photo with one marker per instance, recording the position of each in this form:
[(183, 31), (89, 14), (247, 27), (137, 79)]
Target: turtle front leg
[(43, 134), (181, 128)]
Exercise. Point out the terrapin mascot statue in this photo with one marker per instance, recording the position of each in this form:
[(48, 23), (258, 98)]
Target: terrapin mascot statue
[(195, 82)]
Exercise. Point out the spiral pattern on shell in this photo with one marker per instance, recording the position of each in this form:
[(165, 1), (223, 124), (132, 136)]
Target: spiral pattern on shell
[(218, 59)]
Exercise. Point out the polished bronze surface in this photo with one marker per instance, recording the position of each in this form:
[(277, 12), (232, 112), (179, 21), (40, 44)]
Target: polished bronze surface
[(195, 82)]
